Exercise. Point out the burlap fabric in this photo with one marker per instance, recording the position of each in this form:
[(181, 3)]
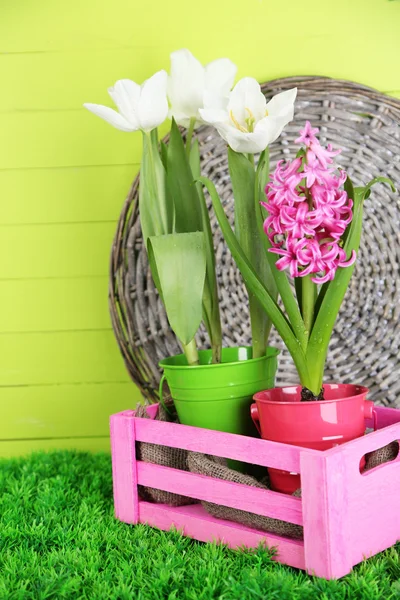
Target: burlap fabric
[(176, 458), (215, 467), (380, 456)]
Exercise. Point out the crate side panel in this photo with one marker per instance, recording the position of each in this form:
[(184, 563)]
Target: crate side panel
[(374, 510)]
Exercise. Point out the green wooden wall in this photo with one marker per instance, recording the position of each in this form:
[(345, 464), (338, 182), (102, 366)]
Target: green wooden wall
[(64, 173)]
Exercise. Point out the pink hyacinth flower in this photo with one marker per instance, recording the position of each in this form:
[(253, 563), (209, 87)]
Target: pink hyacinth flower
[(307, 135), (299, 221), (289, 257), (314, 171), (324, 155)]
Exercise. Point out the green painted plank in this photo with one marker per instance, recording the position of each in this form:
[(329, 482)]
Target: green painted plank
[(64, 139), (9, 448), (99, 69), (54, 305), (66, 195), (60, 357), (256, 36), (63, 411), (70, 250)]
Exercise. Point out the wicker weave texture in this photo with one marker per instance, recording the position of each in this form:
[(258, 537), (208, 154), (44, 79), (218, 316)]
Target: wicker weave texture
[(365, 345)]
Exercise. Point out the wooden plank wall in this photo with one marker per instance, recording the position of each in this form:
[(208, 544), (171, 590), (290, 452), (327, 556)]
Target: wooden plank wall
[(64, 173)]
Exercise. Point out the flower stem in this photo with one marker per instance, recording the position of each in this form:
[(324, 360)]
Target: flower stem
[(308, 297), (189, 135), (191, 353), (251, 158)]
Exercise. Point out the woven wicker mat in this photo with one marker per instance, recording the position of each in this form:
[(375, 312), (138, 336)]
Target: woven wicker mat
[(365, 345)]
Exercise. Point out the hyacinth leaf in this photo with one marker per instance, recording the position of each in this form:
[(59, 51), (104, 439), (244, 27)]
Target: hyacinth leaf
[(155, 206), (211, 314), (256, 286), (179, 265), (334, 291)]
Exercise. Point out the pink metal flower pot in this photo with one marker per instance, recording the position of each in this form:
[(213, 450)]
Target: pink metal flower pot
[(280, 416)]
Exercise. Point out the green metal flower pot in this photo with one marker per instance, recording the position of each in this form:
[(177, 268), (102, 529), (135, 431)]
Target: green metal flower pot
[(218, 396)]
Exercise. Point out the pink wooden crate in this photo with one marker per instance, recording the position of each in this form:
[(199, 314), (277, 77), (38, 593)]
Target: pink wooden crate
[(347, 516)]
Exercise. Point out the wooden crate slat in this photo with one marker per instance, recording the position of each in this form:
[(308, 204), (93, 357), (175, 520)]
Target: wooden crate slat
[(227, 445), (226, 493), (196, 523)]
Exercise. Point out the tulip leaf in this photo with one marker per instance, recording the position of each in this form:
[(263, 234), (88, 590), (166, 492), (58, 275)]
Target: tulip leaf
[(254, 283), (211, 314), (180, 179), (155, 205), (245, 190), (179, 262), (164, 154)]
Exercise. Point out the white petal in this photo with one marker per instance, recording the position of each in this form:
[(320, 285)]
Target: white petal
[(215, 100), (250, 143), (282, 104), (247, 94), (219, 76), (270, 128), (126, 94), (152, 109), (213, 115), (111, 116), (180, 118), (185, 84)]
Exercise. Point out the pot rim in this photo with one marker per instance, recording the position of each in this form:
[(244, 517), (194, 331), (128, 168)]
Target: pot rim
[(273, 352), (361, 390)]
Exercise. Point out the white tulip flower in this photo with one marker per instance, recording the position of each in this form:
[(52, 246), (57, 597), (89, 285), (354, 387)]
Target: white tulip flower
[(142, 107), (246, 121), (190, 85)]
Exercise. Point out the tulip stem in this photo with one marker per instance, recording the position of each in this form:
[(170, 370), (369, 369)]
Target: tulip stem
[(189, 135)]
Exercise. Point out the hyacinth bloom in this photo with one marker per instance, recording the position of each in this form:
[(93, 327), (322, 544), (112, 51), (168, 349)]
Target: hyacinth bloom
[(308, 212)]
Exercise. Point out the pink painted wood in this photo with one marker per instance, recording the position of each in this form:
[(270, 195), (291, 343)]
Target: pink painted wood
[(235, 495), (196, 523), (123, 453), (341, 511), (217, 443)]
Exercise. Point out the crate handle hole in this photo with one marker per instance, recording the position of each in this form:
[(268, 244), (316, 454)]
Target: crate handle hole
[(381, 456)]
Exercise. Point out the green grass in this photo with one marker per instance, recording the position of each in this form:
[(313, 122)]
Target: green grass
[(58, 539)]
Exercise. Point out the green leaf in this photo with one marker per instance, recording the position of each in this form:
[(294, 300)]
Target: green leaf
[(245, 191), (256, 286), (211, 314), (155, 205), (378, 180), (164, 154), (332, 294), (180, 179), (179, 261)]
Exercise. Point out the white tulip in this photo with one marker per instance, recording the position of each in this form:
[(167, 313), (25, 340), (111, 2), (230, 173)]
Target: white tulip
[(246, 121), (190, 84), (142, 107)]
